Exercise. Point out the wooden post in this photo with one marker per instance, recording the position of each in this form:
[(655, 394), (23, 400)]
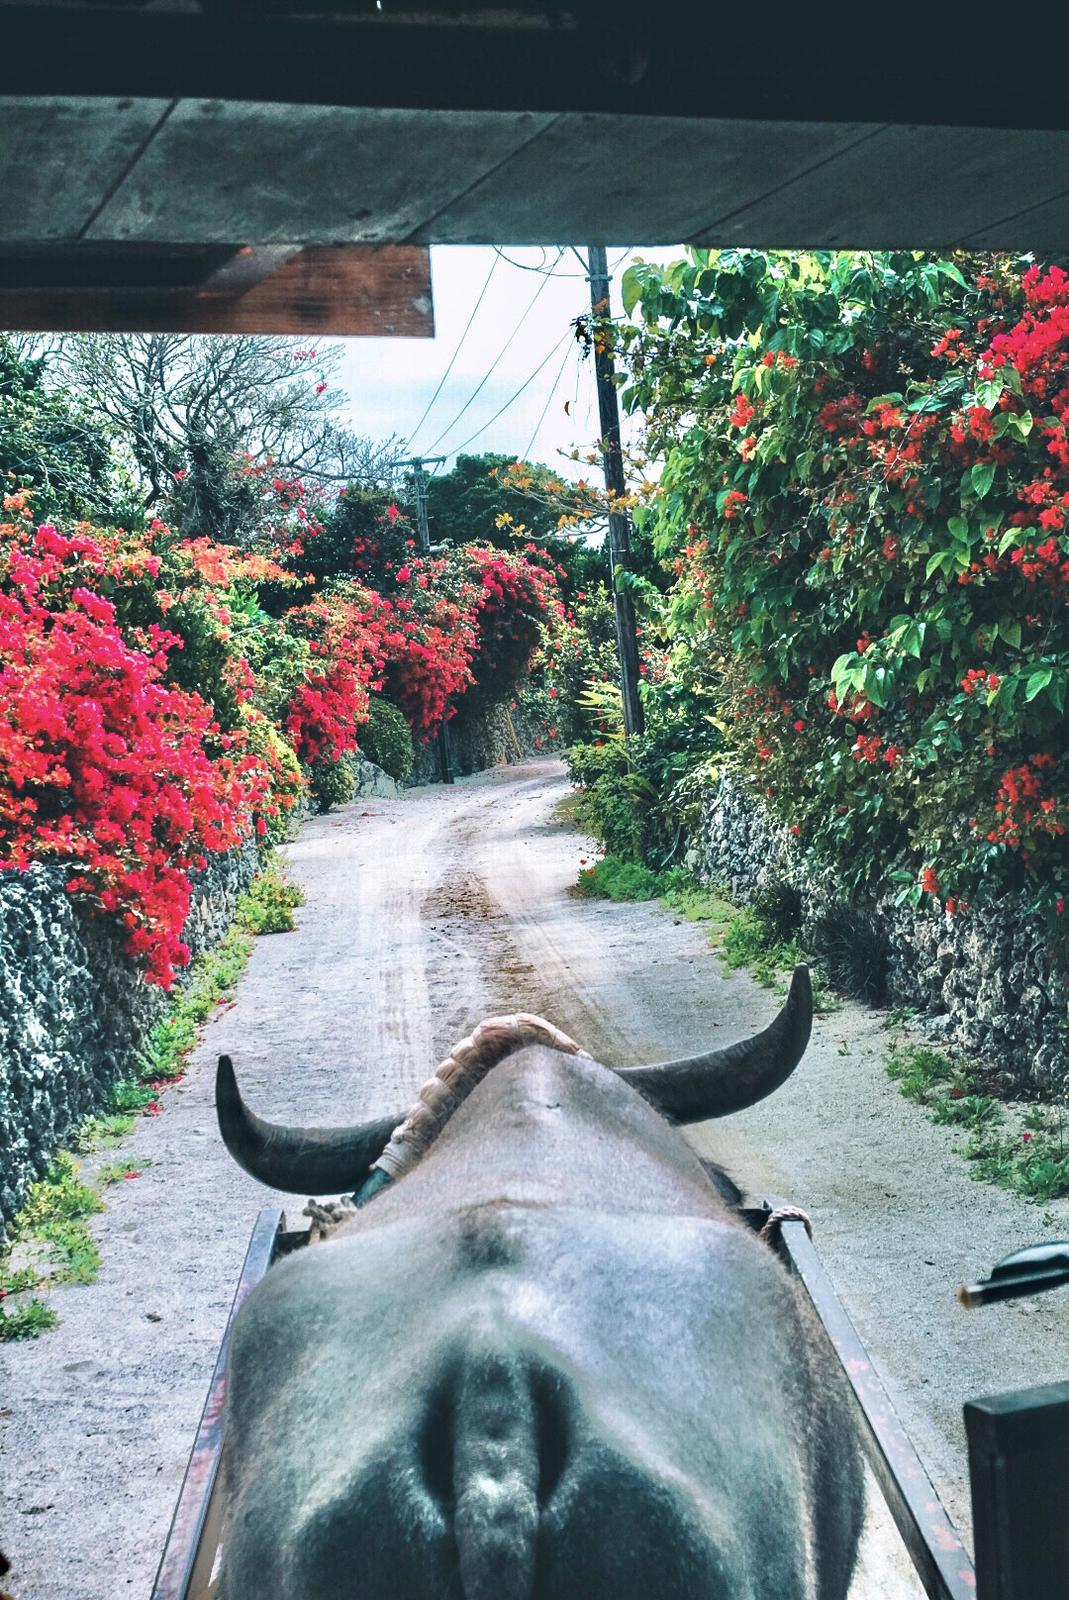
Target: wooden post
[(612, 460)]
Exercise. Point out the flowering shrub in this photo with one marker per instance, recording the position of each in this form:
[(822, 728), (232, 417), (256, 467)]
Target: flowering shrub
[(516, 605), (105, 766), (152, 711), (864, 506)]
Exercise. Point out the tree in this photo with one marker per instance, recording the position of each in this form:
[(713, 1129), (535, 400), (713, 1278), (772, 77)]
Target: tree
[(51, 443), (469, 502), (191, 404)]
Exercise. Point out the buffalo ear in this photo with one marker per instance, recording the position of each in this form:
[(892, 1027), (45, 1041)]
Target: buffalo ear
[(722, 1081), (298, 1160)]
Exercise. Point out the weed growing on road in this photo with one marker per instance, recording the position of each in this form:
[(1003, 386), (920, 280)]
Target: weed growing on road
[(741, 938), (51, 1230), (267, 905), (750, 941), (116, 1171), (1032, 1161)]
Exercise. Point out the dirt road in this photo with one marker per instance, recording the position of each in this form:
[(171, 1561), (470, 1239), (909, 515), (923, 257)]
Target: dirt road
[(423, 915)]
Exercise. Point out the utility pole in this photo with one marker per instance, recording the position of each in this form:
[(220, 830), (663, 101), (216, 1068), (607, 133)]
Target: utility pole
[(419, 479), (613, 465)]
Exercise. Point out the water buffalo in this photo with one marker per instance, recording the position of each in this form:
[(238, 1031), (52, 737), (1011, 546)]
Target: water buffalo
[(549, 1363)]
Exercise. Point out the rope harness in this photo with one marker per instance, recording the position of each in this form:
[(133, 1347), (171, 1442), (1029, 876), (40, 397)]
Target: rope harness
[(466, 1065), (775, 1220)]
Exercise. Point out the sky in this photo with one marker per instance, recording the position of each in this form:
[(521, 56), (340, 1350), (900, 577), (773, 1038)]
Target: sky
[(391, 382)]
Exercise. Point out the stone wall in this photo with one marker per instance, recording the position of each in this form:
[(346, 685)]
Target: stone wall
[(488, 738), (75, 1010), (984, 982)]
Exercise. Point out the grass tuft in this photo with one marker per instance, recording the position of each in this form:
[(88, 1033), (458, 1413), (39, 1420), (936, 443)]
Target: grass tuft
[(1031, 1160)]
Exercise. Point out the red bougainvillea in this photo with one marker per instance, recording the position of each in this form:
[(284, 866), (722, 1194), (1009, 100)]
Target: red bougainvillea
[(151, 713), (105, 766)]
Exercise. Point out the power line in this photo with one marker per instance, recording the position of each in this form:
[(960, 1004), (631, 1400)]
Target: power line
[(486, 375), (545, 408), (567, 334), (456, 352)]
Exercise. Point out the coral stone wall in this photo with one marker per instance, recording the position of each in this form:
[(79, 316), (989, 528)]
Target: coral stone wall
[(74, 1009), (491, 738), (984, 981)]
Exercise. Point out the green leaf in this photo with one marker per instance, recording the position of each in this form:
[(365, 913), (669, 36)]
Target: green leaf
[(982, 477), (1011, 632), (989, 392), (913, 640), (1038, 682), (631, 288)]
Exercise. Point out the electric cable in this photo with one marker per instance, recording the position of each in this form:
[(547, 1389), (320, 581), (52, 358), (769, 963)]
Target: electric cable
[(545, 408), (567, 334), (453, 357), (486, 375)]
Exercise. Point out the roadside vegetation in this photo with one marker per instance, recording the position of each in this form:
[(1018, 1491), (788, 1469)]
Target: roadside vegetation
[(49, 1242), (1025, 1150), (852, 576)]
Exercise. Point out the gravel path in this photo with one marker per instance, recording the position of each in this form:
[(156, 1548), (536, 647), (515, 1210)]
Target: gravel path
[(424, 914)]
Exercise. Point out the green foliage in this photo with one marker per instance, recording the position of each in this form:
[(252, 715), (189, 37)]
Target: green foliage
[(864, 514), (614, 879), (467, 503), (52, 1222), (747, 940), (921, 1073), (331, 783), (1035, 1165), (386, 739), (51, 445), (1031, 1159), (51, 1227), (26, 1321), (778, 904), (267, 905), (853, 952), (102, 1132), (117, 1171)]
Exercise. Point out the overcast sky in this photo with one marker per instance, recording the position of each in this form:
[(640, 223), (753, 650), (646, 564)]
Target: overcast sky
[(390, 382)]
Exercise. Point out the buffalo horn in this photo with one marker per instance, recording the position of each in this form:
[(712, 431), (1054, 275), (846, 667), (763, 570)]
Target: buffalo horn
[(299, 1160), (722, 1081)]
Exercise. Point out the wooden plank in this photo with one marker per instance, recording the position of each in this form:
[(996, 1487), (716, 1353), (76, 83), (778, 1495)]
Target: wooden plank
[(347, 290), (941, 1560), (185, 1567), (310, 174), (669, 59), (605, 179), (1045, 227), (59, 158), (909, 188), (1019, 1467)]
